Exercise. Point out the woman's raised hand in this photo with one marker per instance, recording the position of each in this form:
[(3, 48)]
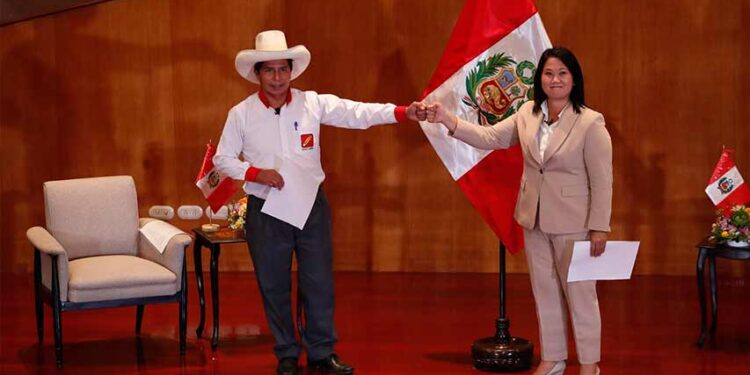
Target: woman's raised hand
[(437, 113)]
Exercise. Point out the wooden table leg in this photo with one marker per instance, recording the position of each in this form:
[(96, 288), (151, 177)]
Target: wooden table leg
[(215, 251), (199, 277), (701, 293), (714, 298)]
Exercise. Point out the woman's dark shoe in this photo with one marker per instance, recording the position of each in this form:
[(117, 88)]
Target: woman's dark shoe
[(287, 366), (331, 365)]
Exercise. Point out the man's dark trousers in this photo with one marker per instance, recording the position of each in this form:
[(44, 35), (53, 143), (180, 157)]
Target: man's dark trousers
[(271, 243)]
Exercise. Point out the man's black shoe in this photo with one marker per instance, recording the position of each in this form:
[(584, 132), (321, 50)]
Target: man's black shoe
[(331, 365), (287, 366)]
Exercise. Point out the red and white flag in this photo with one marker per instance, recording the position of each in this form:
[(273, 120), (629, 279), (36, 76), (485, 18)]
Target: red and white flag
[(726, 187), (216, 187), (485, 74)]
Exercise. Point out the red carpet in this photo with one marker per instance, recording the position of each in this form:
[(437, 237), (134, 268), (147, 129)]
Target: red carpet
[(387, 324)]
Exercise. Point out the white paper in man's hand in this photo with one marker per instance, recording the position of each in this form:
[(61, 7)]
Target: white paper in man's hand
[(293, 203), (615, 264)]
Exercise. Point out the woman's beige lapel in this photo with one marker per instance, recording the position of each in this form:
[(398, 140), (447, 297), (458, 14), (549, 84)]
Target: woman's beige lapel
[(572, 193)]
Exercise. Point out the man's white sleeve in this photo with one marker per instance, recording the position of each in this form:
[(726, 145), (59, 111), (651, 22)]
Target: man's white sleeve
[(346, 113), (227, 159)]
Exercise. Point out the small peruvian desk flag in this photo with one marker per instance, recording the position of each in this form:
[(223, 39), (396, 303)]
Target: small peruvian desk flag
[(726, 187), (216, 187)]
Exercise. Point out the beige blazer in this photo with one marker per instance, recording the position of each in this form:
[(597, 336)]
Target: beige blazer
[(572, 186)]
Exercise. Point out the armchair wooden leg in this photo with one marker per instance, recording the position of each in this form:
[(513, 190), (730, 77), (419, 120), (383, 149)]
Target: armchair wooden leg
[(56, 310), (38, 296), (138, 319), (183, 307)]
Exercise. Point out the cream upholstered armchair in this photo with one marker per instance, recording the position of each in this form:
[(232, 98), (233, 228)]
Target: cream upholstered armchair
[(92, 254)]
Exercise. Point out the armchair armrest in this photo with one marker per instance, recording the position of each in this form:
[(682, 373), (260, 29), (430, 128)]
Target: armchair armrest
[(43, 240), (173, 255)]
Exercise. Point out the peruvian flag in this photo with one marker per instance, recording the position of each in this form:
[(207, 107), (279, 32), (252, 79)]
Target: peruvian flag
[(485, 74), (216, 187), (726, 187)]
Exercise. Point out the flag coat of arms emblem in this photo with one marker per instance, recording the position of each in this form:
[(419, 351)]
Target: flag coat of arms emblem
[(485, 74), (216, 188), (496, 89)]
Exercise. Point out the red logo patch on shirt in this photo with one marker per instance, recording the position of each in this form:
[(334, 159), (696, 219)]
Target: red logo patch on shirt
[(307, 141)]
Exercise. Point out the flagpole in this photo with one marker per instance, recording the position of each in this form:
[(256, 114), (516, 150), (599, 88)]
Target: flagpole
[(502, 352), (210, 210)]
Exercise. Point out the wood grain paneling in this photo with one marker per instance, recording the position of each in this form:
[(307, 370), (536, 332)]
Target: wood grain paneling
[(138, 87), (18, 10)]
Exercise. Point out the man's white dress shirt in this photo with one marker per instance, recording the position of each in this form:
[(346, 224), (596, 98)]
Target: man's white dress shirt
[(254, 135)]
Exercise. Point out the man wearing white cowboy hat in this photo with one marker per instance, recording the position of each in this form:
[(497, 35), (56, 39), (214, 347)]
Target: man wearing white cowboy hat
[(276, 125)]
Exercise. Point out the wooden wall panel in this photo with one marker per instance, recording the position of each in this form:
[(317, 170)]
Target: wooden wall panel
[(138, 87), (18, 10), (28, 103)]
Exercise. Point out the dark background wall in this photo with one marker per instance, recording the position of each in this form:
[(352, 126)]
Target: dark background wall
[(138, 87)]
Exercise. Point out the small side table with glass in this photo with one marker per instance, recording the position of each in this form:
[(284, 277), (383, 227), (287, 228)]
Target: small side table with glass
[(708, 251), (213, 242)]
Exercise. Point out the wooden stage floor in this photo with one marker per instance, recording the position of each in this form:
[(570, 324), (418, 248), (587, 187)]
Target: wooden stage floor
[(388, 323)]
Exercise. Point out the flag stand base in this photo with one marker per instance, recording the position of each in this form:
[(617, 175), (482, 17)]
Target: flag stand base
[(502, 352)]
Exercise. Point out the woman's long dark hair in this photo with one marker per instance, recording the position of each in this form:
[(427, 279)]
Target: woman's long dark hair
[(570, 62)]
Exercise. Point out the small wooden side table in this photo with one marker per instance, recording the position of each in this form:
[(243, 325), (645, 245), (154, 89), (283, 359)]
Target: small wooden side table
[(709, 250), (213, 242)]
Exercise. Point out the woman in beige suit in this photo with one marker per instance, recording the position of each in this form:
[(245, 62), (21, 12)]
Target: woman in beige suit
[(565, 196)]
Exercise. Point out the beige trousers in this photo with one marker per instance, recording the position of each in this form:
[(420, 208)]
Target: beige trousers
[(548, 257)]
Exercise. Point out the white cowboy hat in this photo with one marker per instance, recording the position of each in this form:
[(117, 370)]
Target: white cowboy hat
[(271, 45)]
